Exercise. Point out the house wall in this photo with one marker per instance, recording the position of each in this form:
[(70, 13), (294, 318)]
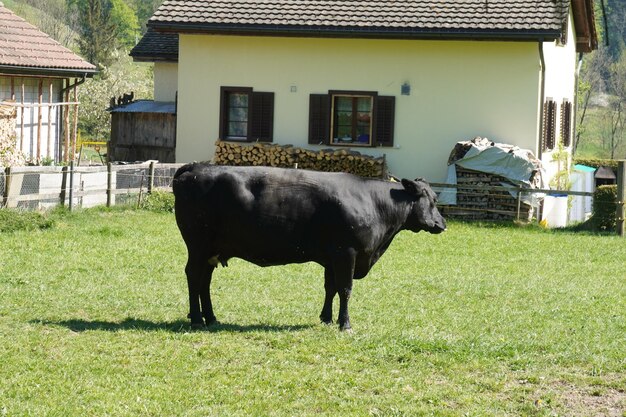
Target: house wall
[(165, 81), (27, 143), (459, 90), (560, 83)]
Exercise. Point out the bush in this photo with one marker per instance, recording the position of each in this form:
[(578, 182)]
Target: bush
[(14, 220), (604, 207), (597, 163), (159, 201)]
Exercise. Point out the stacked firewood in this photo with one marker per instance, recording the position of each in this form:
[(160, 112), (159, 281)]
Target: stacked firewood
[(476, 203), (288, 156)]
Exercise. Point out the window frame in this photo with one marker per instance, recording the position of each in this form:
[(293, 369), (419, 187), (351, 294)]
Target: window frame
[(260, 115), (354, 95), (382, 119)]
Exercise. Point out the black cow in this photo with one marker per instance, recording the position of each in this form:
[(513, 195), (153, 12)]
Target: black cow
[(276, 216)]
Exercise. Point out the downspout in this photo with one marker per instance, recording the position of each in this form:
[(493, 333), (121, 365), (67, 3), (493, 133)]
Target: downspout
[(575, 112), (542, 83)]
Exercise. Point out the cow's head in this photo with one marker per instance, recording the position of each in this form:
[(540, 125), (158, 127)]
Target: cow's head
[(424, 214)]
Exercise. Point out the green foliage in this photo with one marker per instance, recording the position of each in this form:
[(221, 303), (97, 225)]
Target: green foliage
[(597, 163), (14, 220), (126, 23), (159, 201), (122, 76), (604, 208), (478, 321)]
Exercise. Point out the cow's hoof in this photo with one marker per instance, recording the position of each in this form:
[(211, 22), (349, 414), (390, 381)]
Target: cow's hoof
[(345, 327), (212, 321), (197, 326), (326, 320)]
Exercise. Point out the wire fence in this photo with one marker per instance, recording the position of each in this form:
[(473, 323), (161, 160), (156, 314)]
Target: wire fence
[(41, 187)]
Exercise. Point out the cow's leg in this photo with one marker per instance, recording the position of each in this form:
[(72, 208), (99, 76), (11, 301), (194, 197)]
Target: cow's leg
[(344, 273), (205, 296), (194, 270), (329, 287)]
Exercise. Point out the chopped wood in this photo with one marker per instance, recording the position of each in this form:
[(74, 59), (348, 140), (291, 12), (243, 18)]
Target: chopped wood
[(286, 156)]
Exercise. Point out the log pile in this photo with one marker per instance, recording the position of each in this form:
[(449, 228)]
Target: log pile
[(288, 156), (479, 204)]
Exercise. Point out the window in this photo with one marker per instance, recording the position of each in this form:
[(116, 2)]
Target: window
[(351, 118), (246, 115), (549, 124)]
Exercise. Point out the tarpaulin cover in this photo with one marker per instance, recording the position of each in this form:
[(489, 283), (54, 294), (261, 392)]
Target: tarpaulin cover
[(518, 166)]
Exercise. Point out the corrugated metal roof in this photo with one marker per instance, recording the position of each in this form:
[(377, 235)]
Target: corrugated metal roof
[(22, 45), (146, 106)]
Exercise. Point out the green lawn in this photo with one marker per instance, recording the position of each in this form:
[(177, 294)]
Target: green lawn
[(481, 320)]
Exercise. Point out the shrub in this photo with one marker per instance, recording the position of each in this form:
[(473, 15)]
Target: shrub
[(604, 207), (159, 201), (14, 220), (597, 163)]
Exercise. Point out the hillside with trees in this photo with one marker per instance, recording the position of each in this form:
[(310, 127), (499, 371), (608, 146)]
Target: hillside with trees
[(601, 112)]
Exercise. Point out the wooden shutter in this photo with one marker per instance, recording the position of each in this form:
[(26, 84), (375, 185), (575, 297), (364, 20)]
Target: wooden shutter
[(261, 117), (566, 123), (319, 119), (384, 120), (549, 124)]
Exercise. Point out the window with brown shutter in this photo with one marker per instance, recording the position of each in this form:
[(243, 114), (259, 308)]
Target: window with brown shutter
[(549, 125), (566, 123), (351, 118), (246, 115)]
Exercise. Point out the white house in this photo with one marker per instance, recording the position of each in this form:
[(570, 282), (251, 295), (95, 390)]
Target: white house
[(407, 79), (38, 77)]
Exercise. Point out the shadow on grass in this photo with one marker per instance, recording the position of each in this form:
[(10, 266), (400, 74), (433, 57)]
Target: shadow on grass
[(179, 326)]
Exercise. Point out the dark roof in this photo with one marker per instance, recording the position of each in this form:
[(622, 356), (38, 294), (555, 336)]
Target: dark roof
[(515, 19), (156, 46), (26, 49)]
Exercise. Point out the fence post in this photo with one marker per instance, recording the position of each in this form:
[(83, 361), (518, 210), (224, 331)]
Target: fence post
[(7, 187), (71, 184), (63, 185), (621, 196), (109, 183), (151, 177)]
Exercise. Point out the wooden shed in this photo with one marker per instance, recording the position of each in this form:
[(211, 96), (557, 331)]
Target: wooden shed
[(143, 130)]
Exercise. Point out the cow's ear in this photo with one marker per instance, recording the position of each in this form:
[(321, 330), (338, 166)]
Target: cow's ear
[(411, 186)]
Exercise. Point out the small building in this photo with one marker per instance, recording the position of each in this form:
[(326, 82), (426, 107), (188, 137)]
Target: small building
[(143, 130), (146, 129), (39, 78), (406, 80)]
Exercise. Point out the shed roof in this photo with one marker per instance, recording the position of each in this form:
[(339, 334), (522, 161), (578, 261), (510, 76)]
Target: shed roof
[(146, 106), (505, 19), (26, 49)]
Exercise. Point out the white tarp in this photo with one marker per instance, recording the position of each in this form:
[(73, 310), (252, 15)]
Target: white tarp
[(518, 166)]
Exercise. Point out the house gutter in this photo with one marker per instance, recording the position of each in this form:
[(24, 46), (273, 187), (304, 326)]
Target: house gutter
[(542, 82)]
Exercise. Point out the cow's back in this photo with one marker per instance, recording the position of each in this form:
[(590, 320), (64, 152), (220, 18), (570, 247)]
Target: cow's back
[(275, 216)]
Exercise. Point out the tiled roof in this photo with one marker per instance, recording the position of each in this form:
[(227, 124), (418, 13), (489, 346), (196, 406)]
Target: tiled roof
[(23, 46), (516, 18), (156, 46)]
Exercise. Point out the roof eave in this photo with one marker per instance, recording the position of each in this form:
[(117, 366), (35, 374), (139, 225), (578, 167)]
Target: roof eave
[(357, 32), (47, 72)]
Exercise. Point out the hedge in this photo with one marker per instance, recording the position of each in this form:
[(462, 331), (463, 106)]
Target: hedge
[(604, 207)]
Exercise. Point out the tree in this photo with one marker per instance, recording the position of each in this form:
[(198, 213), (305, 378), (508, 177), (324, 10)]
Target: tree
[(126, 23), (97, 30), (122, 76)]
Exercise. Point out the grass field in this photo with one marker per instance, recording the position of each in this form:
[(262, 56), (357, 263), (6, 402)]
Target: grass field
[(478, 321)]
